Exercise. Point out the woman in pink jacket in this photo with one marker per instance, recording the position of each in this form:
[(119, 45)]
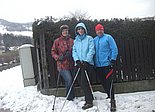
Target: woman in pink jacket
[(61, 52)]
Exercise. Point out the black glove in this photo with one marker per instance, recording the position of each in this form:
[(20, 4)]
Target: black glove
[(68, 54), (79, 64), (61, 58), (112, 64), (85, 65)]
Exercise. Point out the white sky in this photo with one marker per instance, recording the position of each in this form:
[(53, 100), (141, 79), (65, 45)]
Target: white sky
[(27, 10)]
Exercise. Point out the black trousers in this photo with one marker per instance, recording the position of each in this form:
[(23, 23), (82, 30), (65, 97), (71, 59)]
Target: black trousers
[(83, 82), (106, 83)]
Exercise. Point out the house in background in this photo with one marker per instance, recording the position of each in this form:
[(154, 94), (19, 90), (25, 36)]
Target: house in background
[(2, 47)]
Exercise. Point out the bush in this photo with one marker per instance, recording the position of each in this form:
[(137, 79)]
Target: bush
[(10, 56)]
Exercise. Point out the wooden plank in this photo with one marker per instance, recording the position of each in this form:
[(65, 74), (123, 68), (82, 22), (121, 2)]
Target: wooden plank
[(150, 58), (145, 58), (153, 55), (40, 86), (43, 61), (141, 56), (124, 63), (137, 59), (128, 60), (133, 61), (115, 75), (118, 68), (123, 59)]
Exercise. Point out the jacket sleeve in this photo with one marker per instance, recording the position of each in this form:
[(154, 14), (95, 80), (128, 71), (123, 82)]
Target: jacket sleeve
[(54, 51), (113, 48), (74, 53), (91, 51)]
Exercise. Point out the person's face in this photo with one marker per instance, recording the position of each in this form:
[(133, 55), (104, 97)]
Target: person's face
[(80, 31), (65, 32), (99, 33)]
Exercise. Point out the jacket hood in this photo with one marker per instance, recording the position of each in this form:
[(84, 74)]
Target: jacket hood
[(80, 25)]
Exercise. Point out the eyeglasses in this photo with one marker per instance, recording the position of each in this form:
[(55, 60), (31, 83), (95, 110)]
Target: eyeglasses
[(80, 28)]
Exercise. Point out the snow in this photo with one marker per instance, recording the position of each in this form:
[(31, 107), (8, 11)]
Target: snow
[(3, 30), (11, 78), (17, 98), (23, 33), (26, 46)]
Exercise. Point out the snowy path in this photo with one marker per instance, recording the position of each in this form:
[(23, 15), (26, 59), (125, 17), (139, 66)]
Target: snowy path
[(3, 110), (15, 97), (29, 100)]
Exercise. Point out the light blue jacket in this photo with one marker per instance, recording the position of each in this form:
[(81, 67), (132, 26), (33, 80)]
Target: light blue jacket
[(106, 50), (83, 48)]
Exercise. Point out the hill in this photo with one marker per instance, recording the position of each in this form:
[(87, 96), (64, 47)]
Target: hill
[(24, 29), (11, 26)]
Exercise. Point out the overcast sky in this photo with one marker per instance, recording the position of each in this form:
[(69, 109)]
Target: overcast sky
[(27, 10)]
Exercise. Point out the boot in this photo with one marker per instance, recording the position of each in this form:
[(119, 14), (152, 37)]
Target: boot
[(113, 105), (86, 106)]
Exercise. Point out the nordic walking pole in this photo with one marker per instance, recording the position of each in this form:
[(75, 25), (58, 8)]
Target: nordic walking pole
[(111, 71), (70, 88), (56, 91), (90, 86)]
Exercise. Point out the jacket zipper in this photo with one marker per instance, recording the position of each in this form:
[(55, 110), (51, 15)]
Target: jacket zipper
[(98, 52)]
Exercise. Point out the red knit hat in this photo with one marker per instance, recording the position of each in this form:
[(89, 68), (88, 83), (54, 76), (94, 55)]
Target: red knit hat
[(99, 27)]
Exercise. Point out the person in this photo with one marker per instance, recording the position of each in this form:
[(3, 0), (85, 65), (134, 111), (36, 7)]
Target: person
[(62, 53), (105, 59), (83, 52)]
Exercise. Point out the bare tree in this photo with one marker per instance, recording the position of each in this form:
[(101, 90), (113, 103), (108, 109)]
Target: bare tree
[(78, 14)]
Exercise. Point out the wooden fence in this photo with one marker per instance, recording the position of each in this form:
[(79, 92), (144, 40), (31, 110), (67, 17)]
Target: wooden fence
[(136, 61)]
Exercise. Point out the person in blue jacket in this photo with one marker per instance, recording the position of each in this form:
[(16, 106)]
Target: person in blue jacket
[(105, 58), (83, 53)]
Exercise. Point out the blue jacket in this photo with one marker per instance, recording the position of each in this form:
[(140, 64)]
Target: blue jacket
[(106, 50), (83, 48)]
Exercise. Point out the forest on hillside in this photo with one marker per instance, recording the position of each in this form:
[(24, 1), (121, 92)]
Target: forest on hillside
[(10, 40)]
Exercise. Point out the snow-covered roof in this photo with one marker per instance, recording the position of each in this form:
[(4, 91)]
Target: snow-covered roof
[(26, 46)]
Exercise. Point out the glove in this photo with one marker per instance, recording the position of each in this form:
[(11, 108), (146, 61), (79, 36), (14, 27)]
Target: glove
[(68, 55), (79, 64), (112, 64), (61, 58), (85, 65)]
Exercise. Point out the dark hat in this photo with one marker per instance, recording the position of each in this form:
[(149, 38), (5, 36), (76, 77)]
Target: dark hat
[(64, 27)]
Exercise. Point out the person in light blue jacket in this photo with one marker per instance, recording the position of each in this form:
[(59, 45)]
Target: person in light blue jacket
[(83, 53), (105, 58)]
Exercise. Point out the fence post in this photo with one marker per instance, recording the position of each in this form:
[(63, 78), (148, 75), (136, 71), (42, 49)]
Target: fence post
[(43, 61)]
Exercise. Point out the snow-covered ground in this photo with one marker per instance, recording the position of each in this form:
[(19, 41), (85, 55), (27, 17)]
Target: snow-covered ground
[(17, 98), (3, 30)]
